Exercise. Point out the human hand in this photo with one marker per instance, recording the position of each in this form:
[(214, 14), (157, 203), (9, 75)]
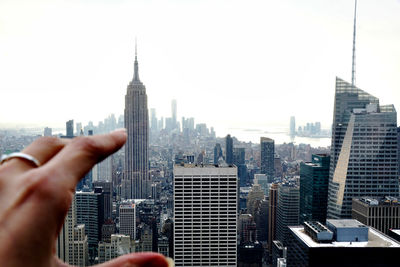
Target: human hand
[(34, 201)]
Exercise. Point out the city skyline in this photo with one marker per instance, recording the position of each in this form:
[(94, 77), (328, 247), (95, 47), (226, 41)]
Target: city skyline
[(181, 58)]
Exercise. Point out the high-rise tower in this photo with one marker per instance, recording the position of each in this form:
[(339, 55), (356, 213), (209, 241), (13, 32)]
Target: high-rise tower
[(363, 151), (364, 144), (136, 179)]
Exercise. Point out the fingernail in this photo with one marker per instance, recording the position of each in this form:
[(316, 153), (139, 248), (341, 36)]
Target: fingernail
[(148, 260), (120, 130)]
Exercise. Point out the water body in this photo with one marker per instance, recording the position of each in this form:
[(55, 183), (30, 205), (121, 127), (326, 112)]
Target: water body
[(279, 135)]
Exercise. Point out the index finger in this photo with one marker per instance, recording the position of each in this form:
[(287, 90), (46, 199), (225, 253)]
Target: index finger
[(80, 155)]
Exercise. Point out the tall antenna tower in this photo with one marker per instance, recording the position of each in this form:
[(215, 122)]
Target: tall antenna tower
[(353, 67)]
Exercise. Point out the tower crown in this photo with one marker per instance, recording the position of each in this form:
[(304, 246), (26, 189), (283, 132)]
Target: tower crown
[(136, 65)]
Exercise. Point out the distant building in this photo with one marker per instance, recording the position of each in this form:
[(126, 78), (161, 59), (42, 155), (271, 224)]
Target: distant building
[(256, 195), (89, 213), (381, 213), (136, 179), (364, 149), (341, 243), (229, 149), (262, 180), (72, 241), (273, 204), (118, 245), (173, 111), (250, 254), (314, 181), (47, 132), (278, 252), (107, 191), (278, 166), (239, 155), (127, 218), (287, 212), (70, 128), (205, 225), (267, 157), (292, 126), (153, 120), (217, 153)]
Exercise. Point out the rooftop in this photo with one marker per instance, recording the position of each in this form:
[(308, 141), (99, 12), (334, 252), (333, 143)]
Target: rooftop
[(375, 239), (373, 201), (193, 165)]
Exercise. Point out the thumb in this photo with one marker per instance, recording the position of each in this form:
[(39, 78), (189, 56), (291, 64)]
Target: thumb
[(146, 259)]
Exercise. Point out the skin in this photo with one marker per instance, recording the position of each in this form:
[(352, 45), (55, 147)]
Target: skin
[(35, 200)]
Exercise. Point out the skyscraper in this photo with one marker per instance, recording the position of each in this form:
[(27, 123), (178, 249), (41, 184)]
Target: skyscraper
[(217, 153), (127, 219), (173, 113), (205, 215), (136, 179), (267, 157), (273, 202), (229, 149), (292, 126), (314, 180), (287, 212), (70, 128), (239, 157), (153, 120), (364, 149)]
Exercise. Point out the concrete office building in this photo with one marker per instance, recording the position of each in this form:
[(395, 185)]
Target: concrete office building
[(127, 218), (205, 215), (381, 213)]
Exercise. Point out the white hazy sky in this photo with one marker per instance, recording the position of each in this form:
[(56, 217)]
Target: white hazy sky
[(249, 64)]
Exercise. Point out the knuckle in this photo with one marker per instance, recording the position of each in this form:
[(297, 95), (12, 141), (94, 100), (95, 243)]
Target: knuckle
[(86, 144), (49, 141)]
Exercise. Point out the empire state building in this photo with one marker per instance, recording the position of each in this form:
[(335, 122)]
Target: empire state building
[(136, 180)]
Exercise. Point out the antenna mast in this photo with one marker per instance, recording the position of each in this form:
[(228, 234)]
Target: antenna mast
[(353, 67)]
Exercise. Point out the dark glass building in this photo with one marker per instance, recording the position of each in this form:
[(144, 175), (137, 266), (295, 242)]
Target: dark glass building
[(217, 152), (229, 149), (267, 157), (314, 180), (239, 160)]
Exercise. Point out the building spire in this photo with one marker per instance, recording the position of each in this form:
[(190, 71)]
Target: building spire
[(136, 65), (353, 66)]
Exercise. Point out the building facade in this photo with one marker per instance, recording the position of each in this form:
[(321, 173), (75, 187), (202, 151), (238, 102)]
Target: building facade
[(136, 178), (382, 214), (205, 215), (127, 218), (273, 204), (364, 149), (287, 212), (229, 149), (267, 157), (314, 181)]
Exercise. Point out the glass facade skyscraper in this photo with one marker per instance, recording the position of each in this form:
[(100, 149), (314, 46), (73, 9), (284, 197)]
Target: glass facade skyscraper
[(364, 149), (314, 180), (267, 157)]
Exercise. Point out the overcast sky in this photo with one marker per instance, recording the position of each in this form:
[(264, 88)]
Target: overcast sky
[(248, 64)]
